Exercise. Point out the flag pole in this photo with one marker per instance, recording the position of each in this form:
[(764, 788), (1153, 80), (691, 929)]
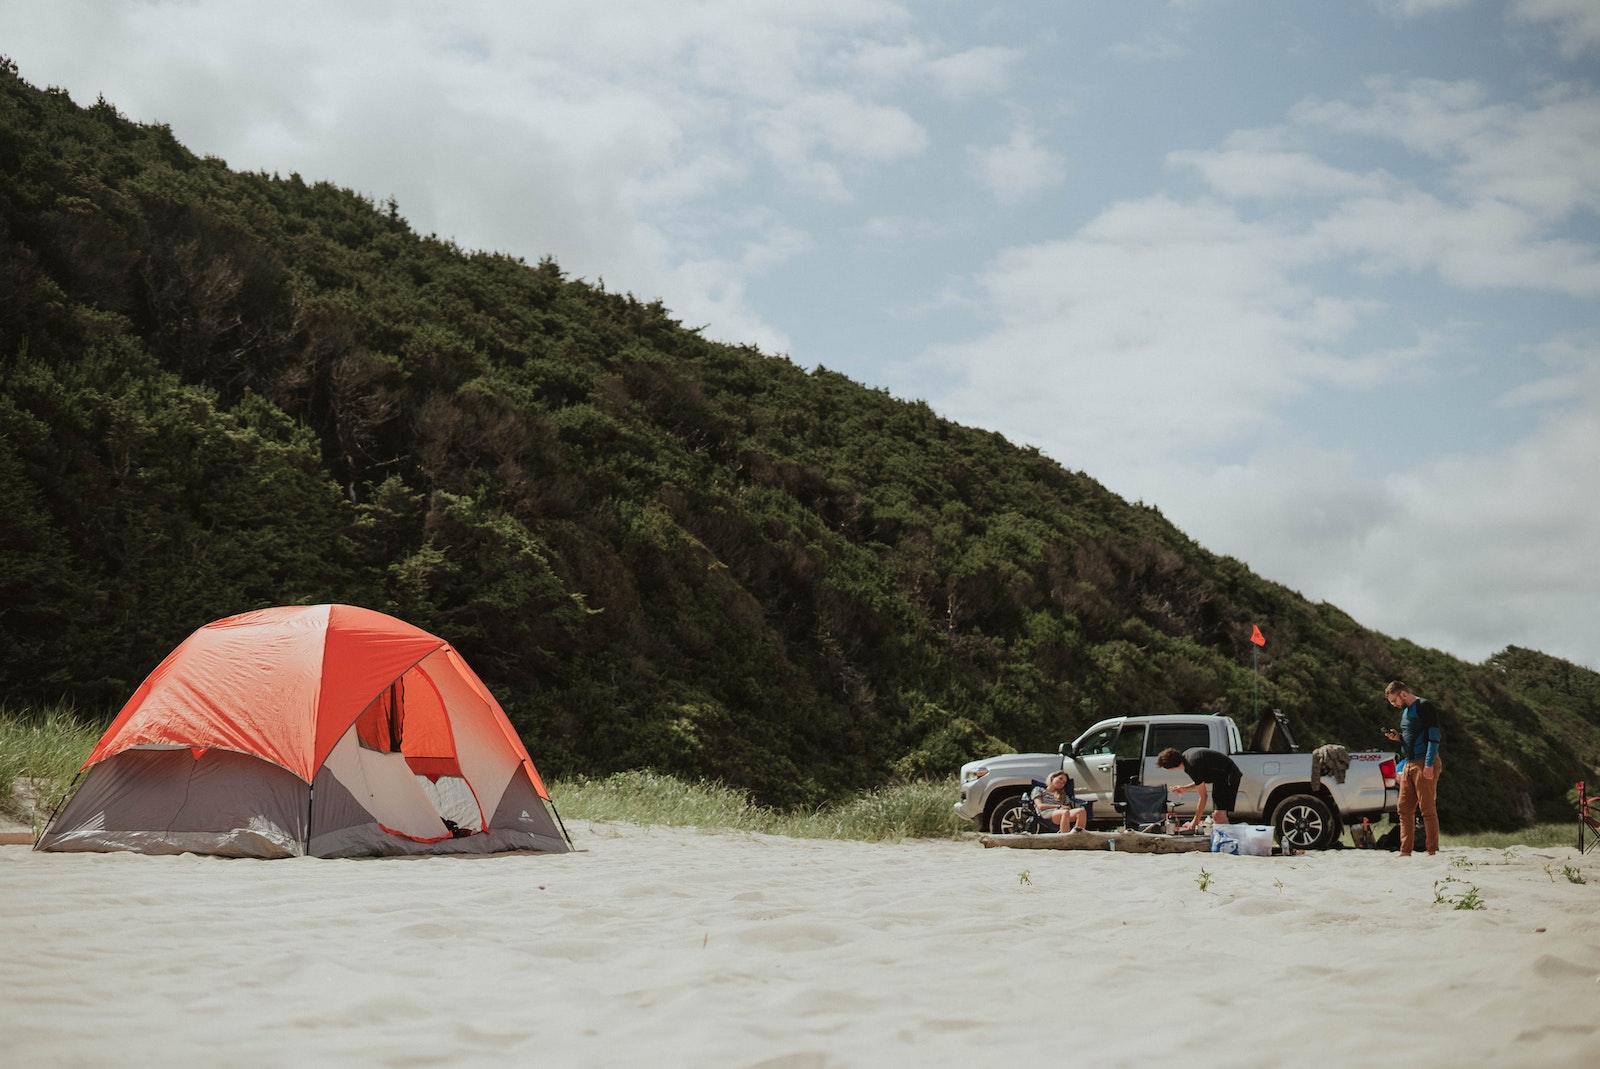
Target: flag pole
[(1257, 640)]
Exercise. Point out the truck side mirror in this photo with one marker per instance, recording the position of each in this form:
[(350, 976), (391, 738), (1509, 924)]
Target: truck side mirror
[(1066, 749)]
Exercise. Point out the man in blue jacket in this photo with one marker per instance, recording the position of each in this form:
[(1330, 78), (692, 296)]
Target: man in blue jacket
[(1419, 772)]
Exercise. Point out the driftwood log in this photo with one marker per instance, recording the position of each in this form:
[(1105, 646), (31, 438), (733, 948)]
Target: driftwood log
[(1129, 842)]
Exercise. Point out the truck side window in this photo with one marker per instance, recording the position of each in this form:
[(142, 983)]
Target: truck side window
[(1129, 742), (1099, 742), (1178, 736)]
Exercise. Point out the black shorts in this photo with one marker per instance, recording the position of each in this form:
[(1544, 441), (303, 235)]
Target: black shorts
[(1226, 793)]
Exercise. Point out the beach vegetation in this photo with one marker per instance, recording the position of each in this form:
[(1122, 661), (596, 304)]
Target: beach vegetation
[(915, 810), (1534, 835), (1571, 873), (1457, 894), (41, 751), (222, 391)]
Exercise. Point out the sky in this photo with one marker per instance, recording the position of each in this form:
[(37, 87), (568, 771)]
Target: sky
[(1320, 281)]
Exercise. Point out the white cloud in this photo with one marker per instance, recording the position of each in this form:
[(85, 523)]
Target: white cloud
[(1410, 9), (897, 229), (1018, 168), (1426, 115), (1162, 327), (797, 133), (1544, 157), (1481, 245), (1249, 173), (974, 71), (1510, 174), (1576, 22), (889, 63)]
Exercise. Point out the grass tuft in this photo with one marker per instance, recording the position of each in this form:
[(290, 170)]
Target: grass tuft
[(41, 751)]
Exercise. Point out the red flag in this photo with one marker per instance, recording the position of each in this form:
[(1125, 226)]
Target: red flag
[(1256, 636)]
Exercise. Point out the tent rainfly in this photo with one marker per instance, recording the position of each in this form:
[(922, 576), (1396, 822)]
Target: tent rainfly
[(326, 730)]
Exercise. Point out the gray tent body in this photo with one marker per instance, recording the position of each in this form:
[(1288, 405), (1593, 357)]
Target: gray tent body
[(166, 800)]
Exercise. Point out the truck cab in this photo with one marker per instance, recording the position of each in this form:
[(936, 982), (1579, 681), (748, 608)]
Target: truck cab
[(1117, 752)]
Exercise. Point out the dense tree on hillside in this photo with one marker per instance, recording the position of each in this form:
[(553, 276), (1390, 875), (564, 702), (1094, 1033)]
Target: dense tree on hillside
[(223, 391)]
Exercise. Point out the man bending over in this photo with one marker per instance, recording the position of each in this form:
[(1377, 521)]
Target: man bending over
[(1206, 767)]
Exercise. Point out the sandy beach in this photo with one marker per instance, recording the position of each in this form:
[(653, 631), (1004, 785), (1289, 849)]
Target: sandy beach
[(673, 947)]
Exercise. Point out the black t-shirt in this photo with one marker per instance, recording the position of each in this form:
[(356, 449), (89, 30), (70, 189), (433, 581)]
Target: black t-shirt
[(1209, 766)]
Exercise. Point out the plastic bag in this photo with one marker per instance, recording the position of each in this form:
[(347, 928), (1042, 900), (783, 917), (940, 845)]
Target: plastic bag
[(1252, 839)]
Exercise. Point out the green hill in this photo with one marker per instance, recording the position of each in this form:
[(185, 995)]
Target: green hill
[(223, 391)]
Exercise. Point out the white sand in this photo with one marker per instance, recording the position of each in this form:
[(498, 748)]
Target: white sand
[(666, 947)]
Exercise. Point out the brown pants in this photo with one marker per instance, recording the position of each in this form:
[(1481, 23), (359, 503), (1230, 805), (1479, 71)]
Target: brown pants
[(1417, 791)]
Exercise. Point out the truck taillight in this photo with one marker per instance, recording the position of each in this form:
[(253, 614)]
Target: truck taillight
[(1386, 770)]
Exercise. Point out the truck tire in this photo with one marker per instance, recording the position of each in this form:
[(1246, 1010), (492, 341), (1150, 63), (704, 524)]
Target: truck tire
[(1304, 822), (1010, 816)]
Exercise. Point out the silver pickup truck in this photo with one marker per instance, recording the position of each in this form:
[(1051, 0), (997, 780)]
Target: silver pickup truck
[(1278, 784)]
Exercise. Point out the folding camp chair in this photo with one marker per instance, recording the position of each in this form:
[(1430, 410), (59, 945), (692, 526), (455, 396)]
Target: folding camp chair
[(1145, 807), (1036, 823)]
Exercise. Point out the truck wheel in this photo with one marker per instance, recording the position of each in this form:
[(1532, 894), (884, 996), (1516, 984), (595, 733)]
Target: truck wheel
[(1304, 822), (1010, 816)]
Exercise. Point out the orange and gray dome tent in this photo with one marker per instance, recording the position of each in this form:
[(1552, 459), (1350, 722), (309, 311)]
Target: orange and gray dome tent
[(327, 730)]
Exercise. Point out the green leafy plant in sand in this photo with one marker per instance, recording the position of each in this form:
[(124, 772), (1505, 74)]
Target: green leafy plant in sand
[(1572, 873), (1445, 895)]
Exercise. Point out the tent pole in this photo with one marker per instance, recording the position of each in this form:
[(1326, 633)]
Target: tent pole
[(559, 821), (311, 795), (68, 793)]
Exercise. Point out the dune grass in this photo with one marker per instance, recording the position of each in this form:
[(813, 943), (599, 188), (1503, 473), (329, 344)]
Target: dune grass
[(1536, 835), (40, 753), (919, 810)]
